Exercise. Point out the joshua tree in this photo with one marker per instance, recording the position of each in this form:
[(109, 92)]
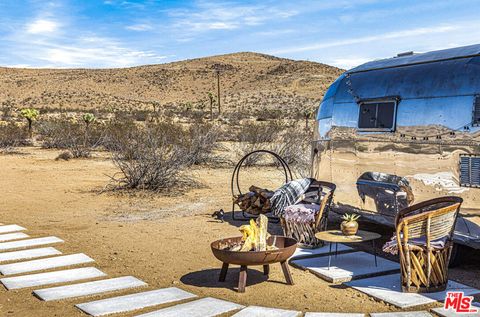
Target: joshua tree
[(30, 115), (201, 106), (307, 113), (212, 101), (88, 118)]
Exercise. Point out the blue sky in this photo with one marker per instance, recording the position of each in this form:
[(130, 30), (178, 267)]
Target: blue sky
[(118, 33)]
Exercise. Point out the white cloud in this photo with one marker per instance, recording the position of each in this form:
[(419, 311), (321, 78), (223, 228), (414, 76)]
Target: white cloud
[(139, 27), (42, 26), (372, 38), (95, 52), (226, 16), (348, 63)]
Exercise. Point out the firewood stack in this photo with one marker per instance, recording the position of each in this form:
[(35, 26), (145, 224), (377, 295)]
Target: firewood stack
[(256, 201)]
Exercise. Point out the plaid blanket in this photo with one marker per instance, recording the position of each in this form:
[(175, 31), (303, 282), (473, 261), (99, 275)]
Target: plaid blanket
[(288, 195)]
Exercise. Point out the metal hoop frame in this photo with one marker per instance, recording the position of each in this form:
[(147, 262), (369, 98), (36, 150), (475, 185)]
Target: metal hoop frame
[(235, 180)]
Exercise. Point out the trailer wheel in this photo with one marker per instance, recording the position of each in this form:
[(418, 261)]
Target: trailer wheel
[(457, 255)]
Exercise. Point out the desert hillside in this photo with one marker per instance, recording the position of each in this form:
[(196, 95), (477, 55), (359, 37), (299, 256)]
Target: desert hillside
[(249, 81)]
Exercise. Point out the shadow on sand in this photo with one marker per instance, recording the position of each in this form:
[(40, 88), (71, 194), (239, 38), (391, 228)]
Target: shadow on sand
[(209, 278)]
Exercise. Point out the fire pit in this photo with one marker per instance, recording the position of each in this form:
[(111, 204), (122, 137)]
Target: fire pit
[(285, 247)]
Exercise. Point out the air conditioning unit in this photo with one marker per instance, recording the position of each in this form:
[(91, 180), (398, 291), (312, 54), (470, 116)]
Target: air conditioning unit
[(470, 170)]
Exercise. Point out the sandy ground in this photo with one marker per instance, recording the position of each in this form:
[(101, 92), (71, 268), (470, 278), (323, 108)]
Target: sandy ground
[(164, 241)]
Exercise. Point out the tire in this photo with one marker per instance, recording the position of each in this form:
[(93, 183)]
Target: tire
[(457, 255)]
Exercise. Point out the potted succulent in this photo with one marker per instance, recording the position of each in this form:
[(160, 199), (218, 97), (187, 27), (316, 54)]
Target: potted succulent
[(349, 225)]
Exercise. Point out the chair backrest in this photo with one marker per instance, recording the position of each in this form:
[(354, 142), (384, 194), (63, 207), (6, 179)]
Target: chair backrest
[(433, 219), (328, 190)]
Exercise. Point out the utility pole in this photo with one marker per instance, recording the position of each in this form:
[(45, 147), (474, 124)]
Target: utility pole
[(217, 71)]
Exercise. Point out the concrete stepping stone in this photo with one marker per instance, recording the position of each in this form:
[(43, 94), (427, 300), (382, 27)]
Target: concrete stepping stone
[(134, 301), (258, 311), (44, 264), (51, 278), (11, 228), (450, 313), (346, 267), (387, 288), (403, 314), (302, 252), (22, 244), (88, 288), (205, 307), (28, 254), (334, 315), (13, 236)]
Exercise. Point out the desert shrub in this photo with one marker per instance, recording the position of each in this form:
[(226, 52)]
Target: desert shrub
[(12, 135), (65, 155), (70, 135), (256, 136), (292, 142), (294, 146), (201, 141), (115, 130), (150, 158)]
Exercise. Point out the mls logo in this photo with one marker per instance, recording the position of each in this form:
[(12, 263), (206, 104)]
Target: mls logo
[(459, 303)]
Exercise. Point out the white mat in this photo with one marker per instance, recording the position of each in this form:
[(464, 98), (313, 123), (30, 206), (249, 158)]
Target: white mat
[(28, 254), (258, 311), (346, 267), (28, 243), (44, 264), (388, 289), (134, 301), (13, 236), (89, 288), (205, 307), (11, 228), (41, 279), (319, 251)]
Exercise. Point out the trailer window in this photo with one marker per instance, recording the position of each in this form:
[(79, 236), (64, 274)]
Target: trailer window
[(377, 116), (476, 111)]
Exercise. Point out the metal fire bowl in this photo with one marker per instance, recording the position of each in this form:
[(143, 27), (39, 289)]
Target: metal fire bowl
[(286, 247)]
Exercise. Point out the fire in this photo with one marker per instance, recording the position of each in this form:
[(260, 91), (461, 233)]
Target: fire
[(254, 236)]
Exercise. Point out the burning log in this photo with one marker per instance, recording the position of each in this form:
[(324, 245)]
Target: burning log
[(256, 201), (254, 236)]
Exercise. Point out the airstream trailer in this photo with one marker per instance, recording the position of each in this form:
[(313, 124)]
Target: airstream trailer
[(404, 129)]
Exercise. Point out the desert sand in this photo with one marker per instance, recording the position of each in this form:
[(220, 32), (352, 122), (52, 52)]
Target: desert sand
[(163, 240)]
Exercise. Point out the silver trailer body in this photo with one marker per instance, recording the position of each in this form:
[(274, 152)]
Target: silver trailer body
[(401, 130)]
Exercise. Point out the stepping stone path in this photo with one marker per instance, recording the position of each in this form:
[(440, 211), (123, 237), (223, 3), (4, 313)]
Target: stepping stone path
[(28, 254), (13, 236), (22, 244), (387, 288), (258, 311), (449, 313), (51, 278), (89, 288), (333, 315), (134, 301), (44, 264), (205, 307), (347, 267), (11, 228), (403, 314)]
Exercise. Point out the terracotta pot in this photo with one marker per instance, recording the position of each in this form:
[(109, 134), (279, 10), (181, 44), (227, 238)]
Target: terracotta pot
[(349, 228)]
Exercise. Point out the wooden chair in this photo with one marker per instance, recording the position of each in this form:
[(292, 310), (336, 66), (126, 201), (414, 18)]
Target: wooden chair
[(320, 194), (424, 267)]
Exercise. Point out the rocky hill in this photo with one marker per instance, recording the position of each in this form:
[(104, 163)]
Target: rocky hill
[(249, 81)]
